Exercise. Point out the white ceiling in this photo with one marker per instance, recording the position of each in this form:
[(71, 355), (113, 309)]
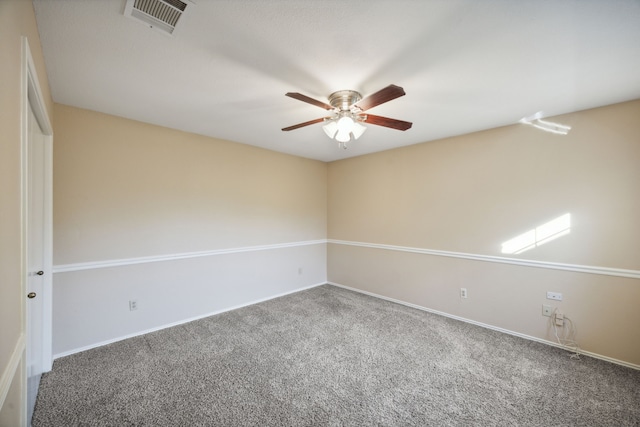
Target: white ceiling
[(466, 65)]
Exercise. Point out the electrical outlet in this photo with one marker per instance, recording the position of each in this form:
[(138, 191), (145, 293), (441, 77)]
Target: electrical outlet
[(463, 292), (299, 270), (547, 310), (133, 305), (554, 296)]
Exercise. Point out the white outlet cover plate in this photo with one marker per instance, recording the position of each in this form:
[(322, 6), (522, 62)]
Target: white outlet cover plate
[(557, 296)]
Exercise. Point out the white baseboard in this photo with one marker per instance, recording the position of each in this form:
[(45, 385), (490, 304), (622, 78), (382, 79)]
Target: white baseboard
[(484, 325), (418, 307), (181, 322), (9, 372)]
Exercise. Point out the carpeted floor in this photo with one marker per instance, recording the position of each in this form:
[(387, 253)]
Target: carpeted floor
[(331, 357)]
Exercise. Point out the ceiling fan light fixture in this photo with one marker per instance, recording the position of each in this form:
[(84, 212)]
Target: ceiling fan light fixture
[(331, 128), (343, 128), (357, 130), (345, 124), (343, 136)]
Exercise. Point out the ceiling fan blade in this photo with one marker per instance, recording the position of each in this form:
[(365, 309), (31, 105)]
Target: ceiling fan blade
[(387, 122), (305, 98), (380, 97), (300, 125)]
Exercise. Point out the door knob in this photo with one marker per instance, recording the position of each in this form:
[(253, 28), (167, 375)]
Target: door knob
[(40, 273), (31, 295)]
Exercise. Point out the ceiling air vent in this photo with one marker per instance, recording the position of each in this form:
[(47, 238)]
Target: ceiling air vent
[(163, 15)]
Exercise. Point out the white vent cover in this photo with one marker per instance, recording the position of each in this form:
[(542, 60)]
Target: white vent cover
[(163, 15)]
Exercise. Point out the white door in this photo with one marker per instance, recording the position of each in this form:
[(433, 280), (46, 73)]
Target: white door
[(36, 259)]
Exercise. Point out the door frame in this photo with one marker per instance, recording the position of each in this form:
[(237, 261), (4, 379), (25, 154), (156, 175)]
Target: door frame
[(31, 97)]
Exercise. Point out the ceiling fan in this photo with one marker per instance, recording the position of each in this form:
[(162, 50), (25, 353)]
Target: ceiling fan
[(347, 113)]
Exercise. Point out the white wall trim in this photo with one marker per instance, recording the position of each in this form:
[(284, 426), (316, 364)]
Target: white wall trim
[(183, 321), (589, 269), (484, 325), (65, 268), (11, 368), (606, 271)]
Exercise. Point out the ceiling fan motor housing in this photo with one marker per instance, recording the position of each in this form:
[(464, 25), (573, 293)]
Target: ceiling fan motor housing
[(344, 99)]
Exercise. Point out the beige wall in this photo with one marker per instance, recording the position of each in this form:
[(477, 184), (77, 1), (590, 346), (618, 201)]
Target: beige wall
[(17, 19), (473, 192), (126, 189), (469, 194)]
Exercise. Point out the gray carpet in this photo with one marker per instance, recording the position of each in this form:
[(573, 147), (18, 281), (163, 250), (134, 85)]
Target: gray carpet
[(331, 357)]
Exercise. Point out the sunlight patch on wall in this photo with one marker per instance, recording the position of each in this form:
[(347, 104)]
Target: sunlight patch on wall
[(538, 236)]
